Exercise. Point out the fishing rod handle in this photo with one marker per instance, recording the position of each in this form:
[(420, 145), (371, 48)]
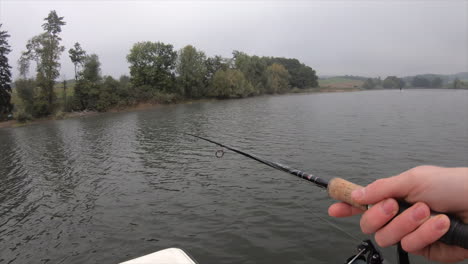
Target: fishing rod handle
[(457, 235), (341, 189)]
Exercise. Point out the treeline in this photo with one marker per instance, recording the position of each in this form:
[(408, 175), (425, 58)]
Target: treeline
[(158, 74), (393, 82)]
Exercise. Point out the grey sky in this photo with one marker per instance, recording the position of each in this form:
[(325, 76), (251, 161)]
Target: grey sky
[(369, 38)]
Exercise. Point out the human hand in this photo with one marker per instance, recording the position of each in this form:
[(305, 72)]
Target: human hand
[(443, 190)]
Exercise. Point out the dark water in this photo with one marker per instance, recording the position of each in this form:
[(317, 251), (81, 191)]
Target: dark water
[(108, 188)]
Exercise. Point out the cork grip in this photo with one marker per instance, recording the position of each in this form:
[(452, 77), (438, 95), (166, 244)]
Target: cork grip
[(340, 190)]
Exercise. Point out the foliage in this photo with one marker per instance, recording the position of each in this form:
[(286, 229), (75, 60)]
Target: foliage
[(22, 116), (108, 96), (393, 82), (25, 89), (301, 76), (230, 83), (253, 68), (91, 69), (191, 69), (88, 85), (157, 74), (276, 79), (45, 50), (77, 56), (436, 82), (458, 84), (369, 84), (5, 75), (373, 83), (214, 64), (420, 82), (152, 64)]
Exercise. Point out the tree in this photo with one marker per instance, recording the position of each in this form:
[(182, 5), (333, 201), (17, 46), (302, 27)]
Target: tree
[(45, 50), (92, 68), (214, 64), (230, 83), (420, 81), (5, 75), (77, 56), (277, 79), (369, 84), (152, 64), (301, 76), (393, 82), (436, 82), (108, 94), (26, 91), (88, 85), (191, 69), (457, 83), (253, 68)]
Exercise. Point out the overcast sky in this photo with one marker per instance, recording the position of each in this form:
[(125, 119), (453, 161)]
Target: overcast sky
[(369, 38)]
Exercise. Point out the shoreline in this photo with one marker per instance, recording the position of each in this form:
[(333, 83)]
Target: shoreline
[(147, 106)]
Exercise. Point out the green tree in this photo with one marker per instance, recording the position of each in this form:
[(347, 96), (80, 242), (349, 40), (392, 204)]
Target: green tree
[(191, 69), (45, 49), (420, 81), (369, 84), (5, 75), (457, 83), (152, 64), (393, 82), (230, 83), (92, 68), (108, 94), (87, 88), (253, 68), (214, 64), (26, 91), (277, 79), (77, 56), (436, 82), (301, 76)]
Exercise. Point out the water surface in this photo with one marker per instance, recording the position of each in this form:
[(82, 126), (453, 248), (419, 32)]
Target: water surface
[(107, 188)]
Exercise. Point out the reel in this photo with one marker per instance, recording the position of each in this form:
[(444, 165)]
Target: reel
[(367, 254)]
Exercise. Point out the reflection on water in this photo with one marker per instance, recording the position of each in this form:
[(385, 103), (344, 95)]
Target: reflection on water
[(107, 188)]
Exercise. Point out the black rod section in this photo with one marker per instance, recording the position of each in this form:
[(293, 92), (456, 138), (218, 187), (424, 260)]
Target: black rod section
[(306, 176)]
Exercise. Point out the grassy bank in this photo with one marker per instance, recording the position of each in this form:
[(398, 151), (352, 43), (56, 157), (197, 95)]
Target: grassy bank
[(340, 83)]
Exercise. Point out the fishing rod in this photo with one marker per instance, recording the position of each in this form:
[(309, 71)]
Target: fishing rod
[(341, 189)]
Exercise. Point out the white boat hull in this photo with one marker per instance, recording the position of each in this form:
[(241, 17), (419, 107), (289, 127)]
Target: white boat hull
[(165, 256)]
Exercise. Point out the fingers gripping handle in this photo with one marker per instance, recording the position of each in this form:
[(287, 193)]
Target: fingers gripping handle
[(457, 234), (340, 189)]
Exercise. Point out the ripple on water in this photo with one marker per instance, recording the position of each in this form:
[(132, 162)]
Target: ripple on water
[(107, 188)]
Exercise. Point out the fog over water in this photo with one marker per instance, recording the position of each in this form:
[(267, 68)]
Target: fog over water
[(334, 37)]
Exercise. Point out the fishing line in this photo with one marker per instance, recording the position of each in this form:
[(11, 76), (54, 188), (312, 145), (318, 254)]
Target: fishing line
[(220, 153), (332, 224), (341, 189)]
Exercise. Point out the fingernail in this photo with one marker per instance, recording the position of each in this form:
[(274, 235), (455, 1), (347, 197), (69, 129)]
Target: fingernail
[(358, 194), (440, 223), (389, 207), (420, 212)]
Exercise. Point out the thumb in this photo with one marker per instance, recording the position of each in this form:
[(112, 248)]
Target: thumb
[(393, 187)]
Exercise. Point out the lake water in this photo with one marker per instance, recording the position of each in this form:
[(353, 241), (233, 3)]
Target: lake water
[(107, 188)]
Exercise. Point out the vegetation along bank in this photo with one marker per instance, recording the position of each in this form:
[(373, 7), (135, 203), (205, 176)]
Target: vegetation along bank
[(158, 74)]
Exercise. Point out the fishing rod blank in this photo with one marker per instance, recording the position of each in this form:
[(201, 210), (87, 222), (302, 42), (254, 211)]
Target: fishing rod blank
[(341, 189)]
